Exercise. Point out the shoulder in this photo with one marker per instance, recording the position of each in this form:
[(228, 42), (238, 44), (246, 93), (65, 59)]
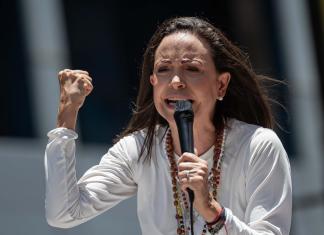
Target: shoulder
[(255, 141), (241, 132)]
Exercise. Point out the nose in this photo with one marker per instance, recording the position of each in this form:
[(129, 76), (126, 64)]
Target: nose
[(177, 83)]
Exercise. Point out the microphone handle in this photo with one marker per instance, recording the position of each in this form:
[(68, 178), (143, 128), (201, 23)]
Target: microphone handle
[(186, 143), (184, 122)]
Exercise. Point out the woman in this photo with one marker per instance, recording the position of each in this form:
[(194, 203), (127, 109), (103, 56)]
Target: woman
[(240, 173)]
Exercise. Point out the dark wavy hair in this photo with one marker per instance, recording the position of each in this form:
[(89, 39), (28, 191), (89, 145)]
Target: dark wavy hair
[(245, 100)]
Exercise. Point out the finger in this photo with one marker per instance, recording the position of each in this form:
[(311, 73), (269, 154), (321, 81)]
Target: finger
[(87, 77), (65, 71), (74, 71), (84, 85), (65, 75), (184, 188), (182, 166), (81, 71), (88, 87), (184, 182), (76, 74), (191, 173), (188, 157), (200, 170), (192, 183), (84, 76), (183, 177)]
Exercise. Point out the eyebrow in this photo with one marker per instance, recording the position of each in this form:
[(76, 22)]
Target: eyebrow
[(183, 61), (165, 61), (189, 60)]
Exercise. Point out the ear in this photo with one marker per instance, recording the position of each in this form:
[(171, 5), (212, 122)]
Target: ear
[(153, 80), (223, 80)]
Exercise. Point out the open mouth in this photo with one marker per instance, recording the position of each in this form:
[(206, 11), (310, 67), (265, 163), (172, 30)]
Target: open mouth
[(172, 103)]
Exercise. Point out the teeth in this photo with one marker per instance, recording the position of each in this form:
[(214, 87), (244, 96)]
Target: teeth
[(174, 101)]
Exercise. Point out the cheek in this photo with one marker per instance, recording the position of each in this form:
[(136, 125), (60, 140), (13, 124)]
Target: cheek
[(157, 97), (207, 92), (214, 89)]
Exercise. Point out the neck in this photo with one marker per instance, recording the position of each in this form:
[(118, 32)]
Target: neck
[(204, 138)]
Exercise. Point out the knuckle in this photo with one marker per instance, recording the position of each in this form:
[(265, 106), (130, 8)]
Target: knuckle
[(88, 78), (66, 71), (204, 168), (203, 165), (181, 166), (201, 172), (204, 162), (200, 178)]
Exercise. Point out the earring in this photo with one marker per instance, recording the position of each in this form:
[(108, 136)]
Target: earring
[(220, 98)]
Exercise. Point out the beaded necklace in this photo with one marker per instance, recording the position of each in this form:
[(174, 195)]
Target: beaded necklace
[(213, 180)]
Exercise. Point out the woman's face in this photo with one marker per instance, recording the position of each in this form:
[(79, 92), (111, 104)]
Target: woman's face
[(184, 70)]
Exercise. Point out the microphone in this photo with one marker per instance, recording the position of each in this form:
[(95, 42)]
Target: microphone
[(184, 116)]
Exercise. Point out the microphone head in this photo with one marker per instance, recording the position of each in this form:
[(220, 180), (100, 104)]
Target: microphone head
[(183, 107)]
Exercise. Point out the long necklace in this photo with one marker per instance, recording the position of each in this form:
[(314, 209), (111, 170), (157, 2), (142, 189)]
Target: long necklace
[(182, 215)]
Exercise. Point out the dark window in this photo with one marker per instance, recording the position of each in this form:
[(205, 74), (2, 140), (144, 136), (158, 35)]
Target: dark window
[(15, 116)]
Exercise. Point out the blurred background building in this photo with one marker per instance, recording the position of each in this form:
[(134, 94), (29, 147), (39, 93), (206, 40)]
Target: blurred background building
[(284, 39)]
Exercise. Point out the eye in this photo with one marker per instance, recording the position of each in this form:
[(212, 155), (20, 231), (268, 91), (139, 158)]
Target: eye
[(162, 69), (192, 69)]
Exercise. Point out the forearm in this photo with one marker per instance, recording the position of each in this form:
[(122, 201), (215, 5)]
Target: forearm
[(61, 185), (233, 225), (67, 116)]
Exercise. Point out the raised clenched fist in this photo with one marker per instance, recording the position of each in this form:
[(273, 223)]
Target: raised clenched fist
[(75, 85)]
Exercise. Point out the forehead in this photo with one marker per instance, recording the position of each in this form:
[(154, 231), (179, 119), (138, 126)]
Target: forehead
[(182, 44)]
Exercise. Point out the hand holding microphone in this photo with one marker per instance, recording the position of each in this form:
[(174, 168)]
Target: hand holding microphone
[(192, 171)]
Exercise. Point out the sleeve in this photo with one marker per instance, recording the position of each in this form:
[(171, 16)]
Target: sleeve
[(268, 189), (70, 202)]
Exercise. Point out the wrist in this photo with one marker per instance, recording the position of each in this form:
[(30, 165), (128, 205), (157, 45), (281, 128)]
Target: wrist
[(215, 226), (210, 209), (213, 212), (217, 217), (67, 116)]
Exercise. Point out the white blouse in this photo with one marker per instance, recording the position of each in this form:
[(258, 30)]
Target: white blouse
[(255, 186)]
